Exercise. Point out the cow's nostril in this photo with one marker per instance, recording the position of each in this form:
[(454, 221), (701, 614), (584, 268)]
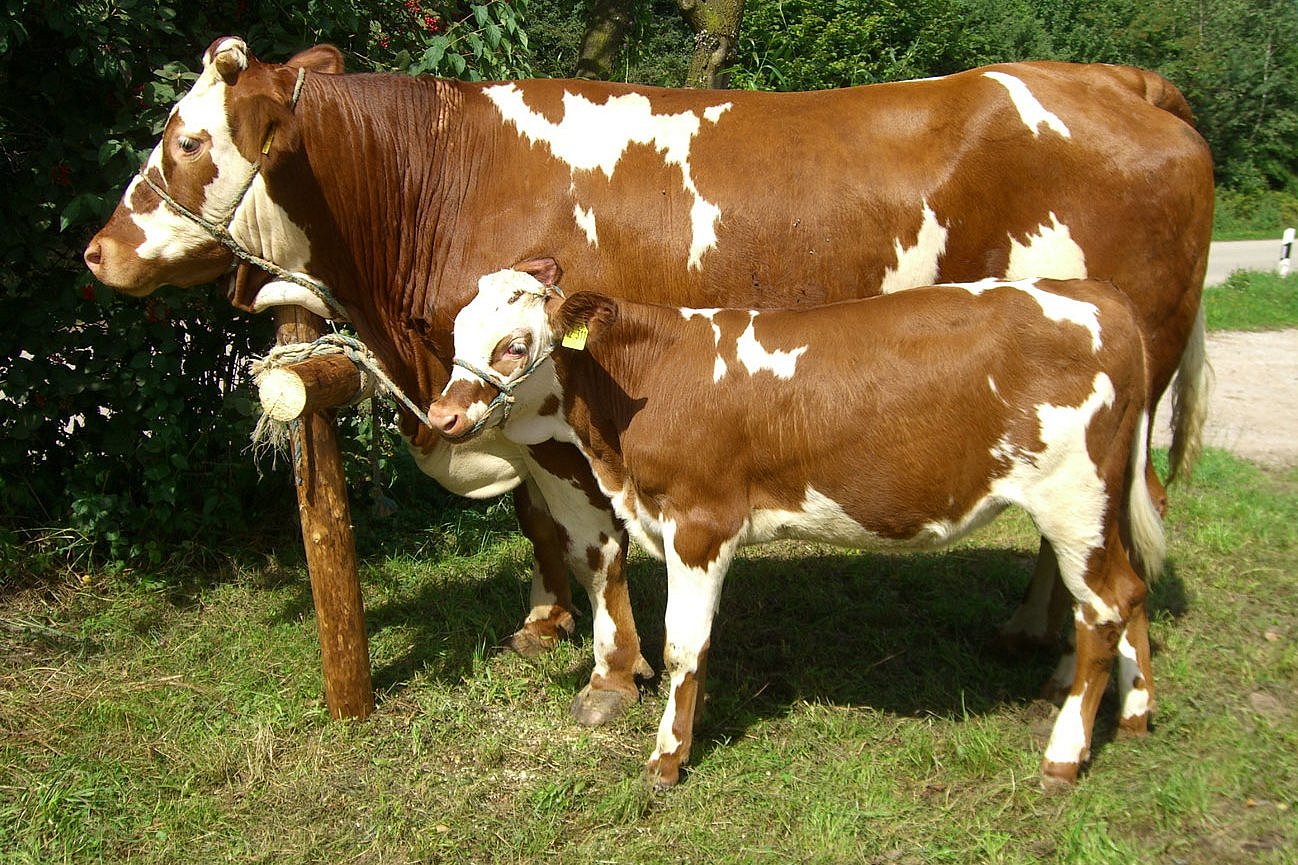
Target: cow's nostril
[(94, 254), (450, 422)]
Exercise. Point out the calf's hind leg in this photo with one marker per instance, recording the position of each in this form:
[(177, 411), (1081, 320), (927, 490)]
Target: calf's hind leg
[(1109, 608)]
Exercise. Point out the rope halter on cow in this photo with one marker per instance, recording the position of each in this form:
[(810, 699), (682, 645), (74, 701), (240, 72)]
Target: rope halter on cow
[(219, 229)]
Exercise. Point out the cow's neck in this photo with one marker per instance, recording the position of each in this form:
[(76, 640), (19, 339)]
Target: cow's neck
[(374, 191)]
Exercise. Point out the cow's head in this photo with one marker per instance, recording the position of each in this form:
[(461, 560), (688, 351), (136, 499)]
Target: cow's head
[(503, 336), (219, 143)]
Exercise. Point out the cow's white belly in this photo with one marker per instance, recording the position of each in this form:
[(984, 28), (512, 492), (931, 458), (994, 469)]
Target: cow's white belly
[(486, 466)]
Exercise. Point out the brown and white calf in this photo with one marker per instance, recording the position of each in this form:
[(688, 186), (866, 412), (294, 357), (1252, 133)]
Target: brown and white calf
[(904, 420)]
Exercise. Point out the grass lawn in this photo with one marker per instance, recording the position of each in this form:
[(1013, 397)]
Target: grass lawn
[(1252, 300), (857, 713)]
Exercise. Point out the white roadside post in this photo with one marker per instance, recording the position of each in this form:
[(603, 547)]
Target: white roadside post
[(1286, 248)]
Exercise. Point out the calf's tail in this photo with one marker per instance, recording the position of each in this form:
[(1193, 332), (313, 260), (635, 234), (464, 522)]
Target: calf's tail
[(1145, 526), (1190, 402)]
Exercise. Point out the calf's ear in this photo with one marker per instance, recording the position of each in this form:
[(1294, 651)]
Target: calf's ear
[(544, 270), (321, 58), (585, 307)]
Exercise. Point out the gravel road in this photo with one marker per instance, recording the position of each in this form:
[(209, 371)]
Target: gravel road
[(1253, 411)]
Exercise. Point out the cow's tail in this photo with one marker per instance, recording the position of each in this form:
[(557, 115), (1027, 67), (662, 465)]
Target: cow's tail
[(1145, 526), (1190, 402)]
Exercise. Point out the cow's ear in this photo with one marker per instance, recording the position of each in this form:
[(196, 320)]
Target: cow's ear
[(584, 308), (228, 56), (544, 270), (321, 58)]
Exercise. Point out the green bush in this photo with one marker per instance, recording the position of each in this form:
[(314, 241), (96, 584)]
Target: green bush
[(1253, 215), (124, 423)]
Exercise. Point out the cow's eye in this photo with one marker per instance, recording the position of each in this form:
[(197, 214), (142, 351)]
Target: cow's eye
[(188, 146), (517, 349)]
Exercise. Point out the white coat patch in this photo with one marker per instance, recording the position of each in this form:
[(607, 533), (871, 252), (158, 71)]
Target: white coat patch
[(719, 368), (1055, 307), (594, 137), (756, 358), (1031, 111), (585, 218), (917, 265), (1051, 253)]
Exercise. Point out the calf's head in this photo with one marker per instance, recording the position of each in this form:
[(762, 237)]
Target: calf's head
[(218, 144), (504, 337)]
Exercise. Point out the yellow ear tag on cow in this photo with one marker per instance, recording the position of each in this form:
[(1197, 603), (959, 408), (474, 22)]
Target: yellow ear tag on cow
[(576, 338)]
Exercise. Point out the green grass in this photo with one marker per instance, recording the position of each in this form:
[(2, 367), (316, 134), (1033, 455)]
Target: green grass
[(856, 713), (1252, 300)]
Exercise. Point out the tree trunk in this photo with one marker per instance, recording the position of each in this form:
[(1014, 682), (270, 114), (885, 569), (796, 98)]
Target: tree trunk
[(609, 21), (716, 33)]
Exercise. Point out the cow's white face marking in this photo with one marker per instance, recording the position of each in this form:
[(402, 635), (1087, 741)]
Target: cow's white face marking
[(259, 225), (594, 137), (508, 302), (755, 357), (1031, 111), (917, 265), (1055, 307), (1051, 253)]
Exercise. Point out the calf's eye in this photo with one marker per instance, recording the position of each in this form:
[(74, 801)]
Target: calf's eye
[(188, 146), (517, 349)]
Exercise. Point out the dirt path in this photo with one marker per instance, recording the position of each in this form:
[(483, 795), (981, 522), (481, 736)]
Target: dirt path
[(1254, 405)]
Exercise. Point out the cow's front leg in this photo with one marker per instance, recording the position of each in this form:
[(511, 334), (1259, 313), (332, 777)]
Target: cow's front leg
[(551, 616), (696, 568), (595, 547)]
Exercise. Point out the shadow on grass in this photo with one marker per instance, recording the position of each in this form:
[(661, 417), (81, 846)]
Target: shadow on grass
[(911, 635)]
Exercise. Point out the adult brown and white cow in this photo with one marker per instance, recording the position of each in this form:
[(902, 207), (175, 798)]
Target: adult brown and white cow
[(908, 420), (397, 193)]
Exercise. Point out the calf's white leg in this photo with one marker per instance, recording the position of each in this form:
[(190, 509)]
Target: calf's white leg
[(696, 568)]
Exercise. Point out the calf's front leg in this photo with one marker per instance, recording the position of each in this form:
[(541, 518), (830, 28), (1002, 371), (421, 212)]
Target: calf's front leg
[(696, 568)]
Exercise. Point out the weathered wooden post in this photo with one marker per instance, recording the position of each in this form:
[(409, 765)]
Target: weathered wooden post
[(305, 395)]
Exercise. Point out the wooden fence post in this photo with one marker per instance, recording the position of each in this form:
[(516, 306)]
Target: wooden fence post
[(327, 537)]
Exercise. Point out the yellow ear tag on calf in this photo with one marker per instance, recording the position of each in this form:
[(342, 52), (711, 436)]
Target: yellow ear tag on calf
[(576, 338)]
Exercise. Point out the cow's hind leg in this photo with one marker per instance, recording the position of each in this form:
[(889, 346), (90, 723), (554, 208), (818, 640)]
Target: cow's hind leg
[(1135, 675), (1040, 617)]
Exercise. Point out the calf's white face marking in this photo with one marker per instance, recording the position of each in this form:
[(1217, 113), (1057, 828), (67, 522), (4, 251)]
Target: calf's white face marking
[(1031, 111), (593, 137), (917, 265)]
